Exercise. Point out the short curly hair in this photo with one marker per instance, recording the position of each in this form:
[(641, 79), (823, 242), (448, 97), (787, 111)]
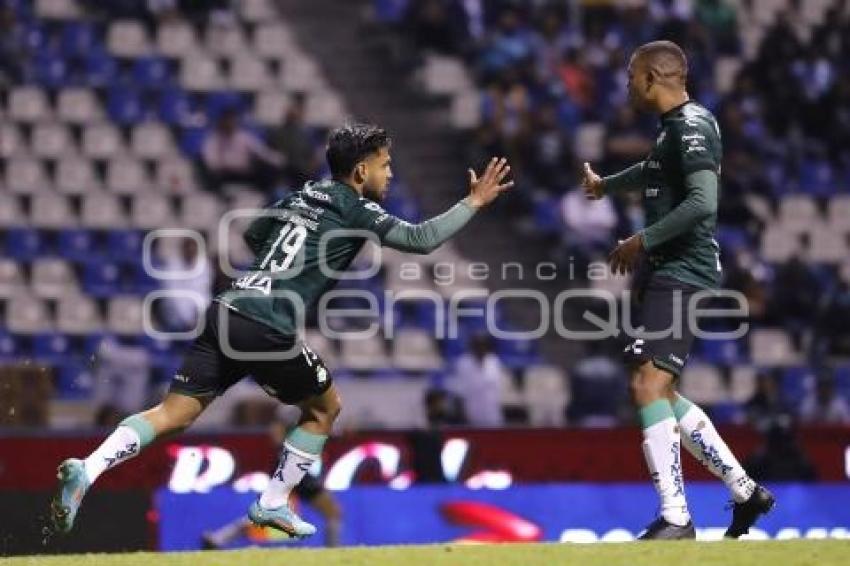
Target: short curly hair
[(350, 144)]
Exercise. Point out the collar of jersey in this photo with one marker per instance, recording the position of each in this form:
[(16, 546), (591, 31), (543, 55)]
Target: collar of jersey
[(669, 114)]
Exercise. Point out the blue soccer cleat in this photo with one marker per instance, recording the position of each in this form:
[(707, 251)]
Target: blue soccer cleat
[(73, 484), (283, 519)]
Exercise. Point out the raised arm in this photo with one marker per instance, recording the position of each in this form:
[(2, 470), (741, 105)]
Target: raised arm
[(425, 237)]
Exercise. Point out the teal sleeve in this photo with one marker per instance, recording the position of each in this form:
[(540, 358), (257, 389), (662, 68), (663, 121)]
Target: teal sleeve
[(630, 179), (701, 201), (427, 236)]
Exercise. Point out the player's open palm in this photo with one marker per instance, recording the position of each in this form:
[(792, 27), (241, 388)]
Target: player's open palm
[(484, 189), (592, 184)]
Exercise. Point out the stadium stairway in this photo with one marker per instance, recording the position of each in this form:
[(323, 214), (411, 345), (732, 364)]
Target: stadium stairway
[(379, 87)]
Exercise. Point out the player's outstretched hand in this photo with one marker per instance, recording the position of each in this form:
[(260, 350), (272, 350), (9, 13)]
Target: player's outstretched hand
[(625, 256), (483, 190), (592, 184)]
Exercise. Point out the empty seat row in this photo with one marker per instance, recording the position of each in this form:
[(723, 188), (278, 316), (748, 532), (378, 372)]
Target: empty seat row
[(52, 140), (77, 175), (104, 210), (75, 315)]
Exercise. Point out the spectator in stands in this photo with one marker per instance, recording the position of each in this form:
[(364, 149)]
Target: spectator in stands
[(12, 52), (437, 25), (625, 140), (232, 154), (180, 313), (599, 392), (832, 331), (780, 458), (477, 381), (720, 20), (548, 151), (295, 141), (588, 227), (766, 405), (823, 406), (443, 409), (789, 307)]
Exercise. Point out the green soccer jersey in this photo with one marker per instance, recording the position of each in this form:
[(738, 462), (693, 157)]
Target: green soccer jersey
[(300, 243), (679, 180)]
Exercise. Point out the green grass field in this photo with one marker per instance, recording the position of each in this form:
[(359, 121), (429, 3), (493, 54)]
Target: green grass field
[(765, 553)]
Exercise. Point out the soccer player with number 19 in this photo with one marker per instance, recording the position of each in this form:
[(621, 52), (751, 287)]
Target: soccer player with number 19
[(301, 243), (679, 180)]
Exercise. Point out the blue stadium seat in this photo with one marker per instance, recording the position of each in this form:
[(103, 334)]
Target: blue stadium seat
[(25, 244), (218, 102), (817, 178), (9, 348), (73, 381), (547, 216), (795, 384), (517, 353), (101, 69), (50, 70), (124, 106), (78, 38), (124, 245), (842, 381), (101, 278), (138, 281), (192, 140), (724, 352), (76, 244), (390, 11), (732, 238), (152, 73), (52, 348), (726, 413), (175, 106)]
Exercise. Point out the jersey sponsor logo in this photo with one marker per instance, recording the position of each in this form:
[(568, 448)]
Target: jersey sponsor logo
[(317, 195), (301, 221), (373, 206), (692, 137)]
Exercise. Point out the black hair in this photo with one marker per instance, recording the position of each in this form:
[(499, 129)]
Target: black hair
[(666, 58), (350, 144)]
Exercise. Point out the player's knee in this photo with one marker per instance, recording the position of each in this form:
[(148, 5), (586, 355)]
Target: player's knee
[(648, 384)]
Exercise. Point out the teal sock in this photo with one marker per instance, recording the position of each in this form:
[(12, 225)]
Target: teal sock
[(656, 412), (681, 406), (143, 428), (305, 441)]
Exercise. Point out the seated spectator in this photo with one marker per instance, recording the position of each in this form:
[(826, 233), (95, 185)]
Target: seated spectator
[(232, 154), (295, 140), (766, 405), (478, 381), (823, 406), (180, 313), (780, 458), (437, 25), (588, 227)]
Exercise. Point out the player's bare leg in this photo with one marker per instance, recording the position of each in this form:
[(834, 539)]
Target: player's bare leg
[(651, 388), (302, 447), (173, 415), (702, 440)]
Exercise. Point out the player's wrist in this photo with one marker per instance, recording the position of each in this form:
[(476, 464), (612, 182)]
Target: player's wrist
[(473, 202)]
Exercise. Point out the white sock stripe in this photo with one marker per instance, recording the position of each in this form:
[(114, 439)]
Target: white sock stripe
[(305, 455)]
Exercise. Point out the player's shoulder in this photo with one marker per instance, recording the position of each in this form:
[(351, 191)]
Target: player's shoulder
[(693, 117)]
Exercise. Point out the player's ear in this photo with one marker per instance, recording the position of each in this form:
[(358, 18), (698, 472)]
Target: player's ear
[(360, 171)]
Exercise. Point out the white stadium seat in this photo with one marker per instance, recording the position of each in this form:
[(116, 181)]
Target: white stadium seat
[(176, 39), (51, 211), (75, 175), (102, 211), (126, 175), (78, 315), (201, 211), (102, 141), (200, 72), (50, 140), (175, 175), (12, 281), (29, 104), (225, 41), (11, 212), (415, 350), (771, 347), (257, 11), (124, 316), (273, 40), (151, 211), (248, 73), (78, 106), (270, 107), (26, 175), (364, 354), (546, 395), (127, 39), (151, 140), (703, 385), (798, 213), (11, 141), (52, 277), (27, 315)]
